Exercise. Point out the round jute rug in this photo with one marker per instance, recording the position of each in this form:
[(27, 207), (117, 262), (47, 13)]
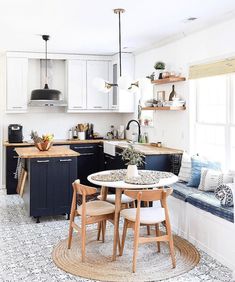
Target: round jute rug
[(151, 265)]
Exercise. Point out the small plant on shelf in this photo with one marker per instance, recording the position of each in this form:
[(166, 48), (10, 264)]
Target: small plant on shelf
[(43, 143), (159, 66)]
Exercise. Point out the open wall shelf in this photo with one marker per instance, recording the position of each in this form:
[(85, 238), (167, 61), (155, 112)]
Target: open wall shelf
[(170, 108), (168, 80)]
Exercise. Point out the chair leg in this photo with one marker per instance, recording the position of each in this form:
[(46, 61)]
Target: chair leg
[(99, 231), (103, 227), (136, 243), (158, 233), (171, 243), (72, 216), (148, 230), (83, 241), (123, 236)]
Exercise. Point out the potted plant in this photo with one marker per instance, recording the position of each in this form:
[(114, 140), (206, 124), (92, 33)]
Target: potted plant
[(134, 159), (159, 67)]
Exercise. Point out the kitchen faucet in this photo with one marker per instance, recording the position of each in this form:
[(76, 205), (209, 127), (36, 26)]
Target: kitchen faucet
[(128, 127)]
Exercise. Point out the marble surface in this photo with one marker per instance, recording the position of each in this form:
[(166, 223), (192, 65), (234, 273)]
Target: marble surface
[(25, 249)]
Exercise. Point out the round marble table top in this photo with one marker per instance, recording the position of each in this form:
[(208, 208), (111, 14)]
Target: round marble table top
[(122, 184)]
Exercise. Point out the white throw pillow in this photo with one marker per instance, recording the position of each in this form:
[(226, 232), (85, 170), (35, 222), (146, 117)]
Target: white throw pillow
[(211, 179), (185, 169)]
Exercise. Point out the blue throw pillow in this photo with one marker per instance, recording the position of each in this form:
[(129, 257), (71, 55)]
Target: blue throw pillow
[(196, 165)]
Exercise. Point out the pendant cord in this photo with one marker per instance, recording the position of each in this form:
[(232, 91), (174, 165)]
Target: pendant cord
[(46, 61), (120, 44)]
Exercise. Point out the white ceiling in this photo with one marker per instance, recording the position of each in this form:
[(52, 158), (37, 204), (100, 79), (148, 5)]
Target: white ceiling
[(90, 26)]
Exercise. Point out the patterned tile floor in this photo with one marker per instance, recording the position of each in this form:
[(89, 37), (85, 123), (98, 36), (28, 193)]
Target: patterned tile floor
[(25, 249)]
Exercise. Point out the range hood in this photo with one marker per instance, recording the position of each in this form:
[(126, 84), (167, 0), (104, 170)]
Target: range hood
[(47, 103), (46, 96)]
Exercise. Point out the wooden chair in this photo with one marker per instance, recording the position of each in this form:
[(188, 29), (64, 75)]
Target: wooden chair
[(90, 212), (148, 216)]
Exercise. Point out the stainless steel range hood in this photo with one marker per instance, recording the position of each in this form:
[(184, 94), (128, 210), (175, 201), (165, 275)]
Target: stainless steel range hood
[(47, 103)]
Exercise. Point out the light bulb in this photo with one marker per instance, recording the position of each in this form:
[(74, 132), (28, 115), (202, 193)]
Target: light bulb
[(124, 82)]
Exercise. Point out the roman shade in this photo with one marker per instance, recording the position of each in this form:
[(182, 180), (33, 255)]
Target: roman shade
[(212, 69)]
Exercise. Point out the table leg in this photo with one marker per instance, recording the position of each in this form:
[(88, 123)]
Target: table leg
[(116, 221)]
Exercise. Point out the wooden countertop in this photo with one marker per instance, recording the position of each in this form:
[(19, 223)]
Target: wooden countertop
[(56, 142), (53, 152), (147, 149)]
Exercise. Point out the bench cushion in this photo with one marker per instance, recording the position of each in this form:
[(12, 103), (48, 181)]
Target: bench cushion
[(206, 201), (182, 191), (203, 200)]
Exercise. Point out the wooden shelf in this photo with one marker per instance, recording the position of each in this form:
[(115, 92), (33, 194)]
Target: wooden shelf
[(168, 80), (170, 108)]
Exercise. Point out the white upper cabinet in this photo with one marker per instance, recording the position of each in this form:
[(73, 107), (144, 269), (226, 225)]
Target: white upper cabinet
[(122, 100), (17, 75), (76, 83), (97, 100)]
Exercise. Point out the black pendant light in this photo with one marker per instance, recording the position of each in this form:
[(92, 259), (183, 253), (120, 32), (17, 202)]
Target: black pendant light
[(45, 93)]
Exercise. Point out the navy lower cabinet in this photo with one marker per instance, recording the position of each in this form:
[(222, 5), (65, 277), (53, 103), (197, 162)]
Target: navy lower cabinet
[(49, 186), (88, 162)]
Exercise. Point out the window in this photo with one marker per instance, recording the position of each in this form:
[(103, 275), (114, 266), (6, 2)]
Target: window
[(215, 118)]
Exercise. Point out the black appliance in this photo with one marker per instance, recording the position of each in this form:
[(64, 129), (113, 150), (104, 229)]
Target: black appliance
[(15, 134)]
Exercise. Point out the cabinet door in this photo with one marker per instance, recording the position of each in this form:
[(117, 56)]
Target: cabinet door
[(87, 162), (65, 173), (41, 187), (11, 164), (97, 100), (17, 76), (76, 75)]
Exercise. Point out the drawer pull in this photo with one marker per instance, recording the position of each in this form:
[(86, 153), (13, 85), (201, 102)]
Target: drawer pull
[(17, 107), (77, 107), (45, 161), (87, 154), (15, 157), (109, 157), (97, 107), (65, 160), (84, 147)]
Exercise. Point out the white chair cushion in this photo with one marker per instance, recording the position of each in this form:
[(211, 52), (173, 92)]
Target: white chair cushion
[(94, 208), (147, 215), (111, 199)]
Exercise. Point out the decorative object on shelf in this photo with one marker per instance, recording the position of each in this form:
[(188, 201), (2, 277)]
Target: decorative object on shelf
[(172, 94), (43, 143), (159, 67), (134, 159), (160, 96), (45, 93), (124, 82), (151, 76)]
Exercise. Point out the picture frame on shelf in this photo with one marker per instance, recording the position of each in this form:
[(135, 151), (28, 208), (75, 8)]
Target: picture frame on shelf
[(160, 96)]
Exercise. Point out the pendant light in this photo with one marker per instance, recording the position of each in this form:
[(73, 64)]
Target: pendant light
[(46, 93), (124, 82)]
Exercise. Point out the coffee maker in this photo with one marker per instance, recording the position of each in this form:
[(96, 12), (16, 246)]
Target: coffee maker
[(15, 134)]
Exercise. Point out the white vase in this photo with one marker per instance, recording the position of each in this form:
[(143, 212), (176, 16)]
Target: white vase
[(132, 171)]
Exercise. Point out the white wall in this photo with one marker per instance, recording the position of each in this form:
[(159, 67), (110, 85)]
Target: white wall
[(172, 128), (54, 121)]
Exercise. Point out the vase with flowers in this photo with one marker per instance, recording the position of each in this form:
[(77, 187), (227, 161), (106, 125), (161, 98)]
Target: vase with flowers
[(134, 159)]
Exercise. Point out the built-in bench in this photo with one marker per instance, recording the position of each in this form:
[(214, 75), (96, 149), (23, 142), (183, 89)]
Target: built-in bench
[(198, 217), (203, 200)]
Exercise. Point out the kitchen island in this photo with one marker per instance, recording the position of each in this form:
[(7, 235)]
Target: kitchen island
[(48, 188)]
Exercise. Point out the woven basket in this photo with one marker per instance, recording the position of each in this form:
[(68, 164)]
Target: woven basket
[(44, 146)]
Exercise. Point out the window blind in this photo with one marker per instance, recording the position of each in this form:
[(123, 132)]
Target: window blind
[(212, 69)]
